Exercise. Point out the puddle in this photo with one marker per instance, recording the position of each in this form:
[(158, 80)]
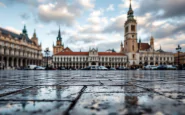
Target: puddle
[(46, 93), (31, 107)]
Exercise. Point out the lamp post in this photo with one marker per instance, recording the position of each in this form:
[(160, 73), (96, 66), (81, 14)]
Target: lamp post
[(47, 55), (178, 51)]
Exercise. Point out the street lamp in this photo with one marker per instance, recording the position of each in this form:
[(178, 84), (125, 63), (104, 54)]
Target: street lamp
[(178, 50), (47, 55)]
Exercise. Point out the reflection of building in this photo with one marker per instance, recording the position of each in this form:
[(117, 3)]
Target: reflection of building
[(132, 52), (181, 58), (18, 50), (141, 53)]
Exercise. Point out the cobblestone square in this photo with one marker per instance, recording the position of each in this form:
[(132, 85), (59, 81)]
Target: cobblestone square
[(92, 92)]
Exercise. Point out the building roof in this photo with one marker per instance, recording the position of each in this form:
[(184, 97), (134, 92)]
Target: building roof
[(72, 53), (110, 54), (14, 35), (87, 53), (144, 46), (67, 50)]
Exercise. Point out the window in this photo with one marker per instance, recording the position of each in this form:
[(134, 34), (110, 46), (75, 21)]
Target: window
[(133, 56), (126, 29), (133, 28), (133, 47)]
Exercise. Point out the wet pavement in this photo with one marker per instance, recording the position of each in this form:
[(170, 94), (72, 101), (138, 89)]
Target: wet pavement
[(92, 92)]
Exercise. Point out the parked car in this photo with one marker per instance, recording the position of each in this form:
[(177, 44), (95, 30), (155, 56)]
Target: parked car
[(40, 68), (153, 67), (62, 68), (150, 67), (94, 67), (112, 68), (31, 67), (122, 68), (161, 67), (171, 67), (86, 68), (102, 68)]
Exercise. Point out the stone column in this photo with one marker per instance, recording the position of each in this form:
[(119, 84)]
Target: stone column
[(21, 62), (17, 62), (12, 63), (7, 62)]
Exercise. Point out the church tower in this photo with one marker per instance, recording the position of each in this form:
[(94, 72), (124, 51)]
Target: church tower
[(152, 42), (59, 46), (130, 43), (34, 38)]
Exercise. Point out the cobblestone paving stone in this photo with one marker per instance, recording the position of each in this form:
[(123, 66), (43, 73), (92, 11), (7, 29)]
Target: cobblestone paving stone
[(92, 92)]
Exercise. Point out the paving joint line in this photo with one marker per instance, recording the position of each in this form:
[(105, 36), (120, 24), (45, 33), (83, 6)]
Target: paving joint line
[(16, 91), (72, 105)]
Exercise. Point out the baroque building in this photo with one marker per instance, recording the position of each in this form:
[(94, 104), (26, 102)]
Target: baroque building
[(18, 50), (65, 57), (132, 53), (139, 53)]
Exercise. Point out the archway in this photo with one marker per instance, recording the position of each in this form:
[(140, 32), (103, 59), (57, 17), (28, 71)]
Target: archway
[(93, 63), (146, 63)]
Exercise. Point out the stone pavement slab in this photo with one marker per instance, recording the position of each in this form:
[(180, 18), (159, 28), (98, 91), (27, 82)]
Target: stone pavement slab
[(92, 92)]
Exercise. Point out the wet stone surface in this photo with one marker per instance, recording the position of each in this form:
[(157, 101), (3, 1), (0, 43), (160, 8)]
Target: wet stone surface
[(92, 92)]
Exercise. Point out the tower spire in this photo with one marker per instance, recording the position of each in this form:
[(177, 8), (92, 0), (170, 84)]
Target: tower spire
[(59, 35), (130, 5), (130, 12), (34, 34)]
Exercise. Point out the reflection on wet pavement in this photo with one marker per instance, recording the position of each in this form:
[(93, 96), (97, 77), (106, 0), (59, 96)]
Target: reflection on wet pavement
[(92, 92)]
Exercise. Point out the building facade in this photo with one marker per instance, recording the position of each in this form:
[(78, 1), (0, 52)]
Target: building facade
[(180, 57), (140, 54), (17, 50), (77, 60), (133, 52)]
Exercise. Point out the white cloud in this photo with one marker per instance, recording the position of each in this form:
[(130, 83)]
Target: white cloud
[(2, 5), (88, 4), (126, 3), (111, 7), (40, 25), (62, 12), (13, 30)]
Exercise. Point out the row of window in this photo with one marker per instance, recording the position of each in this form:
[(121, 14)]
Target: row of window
[(156, 58), (90, 58), (17, 46)]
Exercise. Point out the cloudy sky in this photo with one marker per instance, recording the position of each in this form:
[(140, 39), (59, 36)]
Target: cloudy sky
[(96, 23)]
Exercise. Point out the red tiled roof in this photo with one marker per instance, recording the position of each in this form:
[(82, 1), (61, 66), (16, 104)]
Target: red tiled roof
[(67, 50), (72, 53), (111, 54), (144, 46), (87, 53)]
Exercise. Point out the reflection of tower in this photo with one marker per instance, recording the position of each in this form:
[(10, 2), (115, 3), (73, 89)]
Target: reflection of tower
[(23, 104), (58, 91)]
